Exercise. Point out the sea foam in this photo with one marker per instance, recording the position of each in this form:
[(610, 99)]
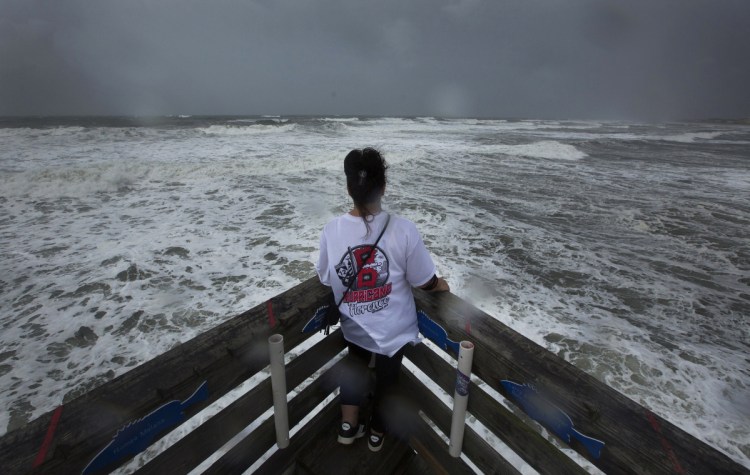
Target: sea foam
[(548, 149), (623, 256)]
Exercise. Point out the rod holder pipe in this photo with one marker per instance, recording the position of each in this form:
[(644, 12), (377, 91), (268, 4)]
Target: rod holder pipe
[(278, 388), (461, 397)]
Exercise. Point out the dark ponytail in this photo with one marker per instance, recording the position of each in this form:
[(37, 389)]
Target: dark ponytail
[(365, 180)]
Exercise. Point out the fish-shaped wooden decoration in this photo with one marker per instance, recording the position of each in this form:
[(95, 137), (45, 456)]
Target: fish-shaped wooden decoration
[(135, 437), (434, 332), (317, 322), (551, 416)]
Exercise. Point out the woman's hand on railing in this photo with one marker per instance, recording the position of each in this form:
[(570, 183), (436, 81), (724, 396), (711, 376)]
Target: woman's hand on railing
[(436, 284)]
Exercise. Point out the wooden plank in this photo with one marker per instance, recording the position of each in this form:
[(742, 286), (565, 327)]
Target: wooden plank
[(525, 441), (324, 455), (206, 439), (431, 448), (479, 451), (637, 441), (224, 356), (315, 450), (254, 445), (414, 466), (283, 460)]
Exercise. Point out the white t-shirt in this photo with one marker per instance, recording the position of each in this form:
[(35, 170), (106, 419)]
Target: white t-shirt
[(378, 313)]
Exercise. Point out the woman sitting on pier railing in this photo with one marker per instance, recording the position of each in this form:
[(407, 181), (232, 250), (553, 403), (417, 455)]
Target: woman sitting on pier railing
[(371, 260)]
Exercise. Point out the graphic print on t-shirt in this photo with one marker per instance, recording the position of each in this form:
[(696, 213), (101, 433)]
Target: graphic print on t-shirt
[(371, 290)]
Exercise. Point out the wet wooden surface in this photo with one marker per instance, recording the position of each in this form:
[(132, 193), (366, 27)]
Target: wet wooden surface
[(224, 356), (637, 441)]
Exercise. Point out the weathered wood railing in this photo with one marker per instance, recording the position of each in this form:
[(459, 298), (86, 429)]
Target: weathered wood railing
[(224, 356), (67, 439), (637, 440)]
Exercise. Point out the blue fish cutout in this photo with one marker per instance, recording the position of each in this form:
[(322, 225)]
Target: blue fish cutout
[(551, 416), (135, 437), (434, 332), (317, 322)]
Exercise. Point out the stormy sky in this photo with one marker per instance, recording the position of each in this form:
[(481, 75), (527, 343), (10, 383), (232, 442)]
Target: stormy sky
[(569, 59)]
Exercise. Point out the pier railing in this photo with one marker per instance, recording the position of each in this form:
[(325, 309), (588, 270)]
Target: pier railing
[(106, 427)]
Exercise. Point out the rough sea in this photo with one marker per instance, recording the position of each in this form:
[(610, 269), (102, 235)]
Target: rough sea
[(622, 247)]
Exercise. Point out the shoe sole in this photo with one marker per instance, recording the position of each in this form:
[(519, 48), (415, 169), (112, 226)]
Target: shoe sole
[(350, 440), (374, 448)]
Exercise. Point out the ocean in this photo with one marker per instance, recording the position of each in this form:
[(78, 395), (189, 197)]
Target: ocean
[(622, 247)]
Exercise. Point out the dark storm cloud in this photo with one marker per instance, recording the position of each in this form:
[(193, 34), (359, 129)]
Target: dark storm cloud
[(530, 58)]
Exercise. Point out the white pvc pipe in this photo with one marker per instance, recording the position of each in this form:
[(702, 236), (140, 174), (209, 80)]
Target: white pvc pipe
[(278, 387), (461, 397)]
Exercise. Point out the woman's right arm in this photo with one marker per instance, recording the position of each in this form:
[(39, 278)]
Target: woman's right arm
[(436, 284)]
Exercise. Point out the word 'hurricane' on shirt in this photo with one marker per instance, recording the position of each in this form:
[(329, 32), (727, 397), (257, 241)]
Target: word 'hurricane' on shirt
[(369, 295)]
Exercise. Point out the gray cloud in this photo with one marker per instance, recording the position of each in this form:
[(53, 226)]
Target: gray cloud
[(534, 58)]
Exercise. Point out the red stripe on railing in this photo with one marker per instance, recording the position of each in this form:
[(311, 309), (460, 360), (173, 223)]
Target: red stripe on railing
[(665, 445), (271, 317), (48, 438)]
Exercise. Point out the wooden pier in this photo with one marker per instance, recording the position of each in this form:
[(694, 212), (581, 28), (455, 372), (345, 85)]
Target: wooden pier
[(141, 405)]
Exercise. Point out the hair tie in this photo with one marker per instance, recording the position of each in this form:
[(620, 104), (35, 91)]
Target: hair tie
[(362, 176)]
